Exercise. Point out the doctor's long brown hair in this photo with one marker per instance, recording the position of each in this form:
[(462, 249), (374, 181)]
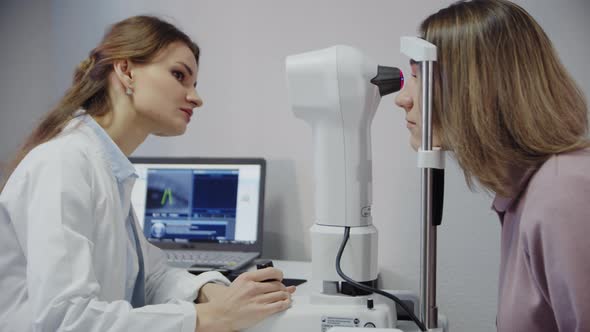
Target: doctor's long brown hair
[(502, 101), (138, 39)]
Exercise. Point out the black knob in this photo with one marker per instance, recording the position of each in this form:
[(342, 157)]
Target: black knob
[(370, 304)]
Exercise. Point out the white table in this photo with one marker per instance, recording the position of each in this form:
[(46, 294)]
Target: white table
[(302, 270)]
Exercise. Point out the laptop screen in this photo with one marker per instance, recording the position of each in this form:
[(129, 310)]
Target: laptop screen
[(200, 202)]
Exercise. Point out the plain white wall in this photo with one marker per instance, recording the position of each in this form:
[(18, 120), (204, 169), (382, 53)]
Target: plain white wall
[(26, 64), (242, 81)]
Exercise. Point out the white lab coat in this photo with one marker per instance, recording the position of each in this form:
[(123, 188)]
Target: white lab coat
[(67, 255)]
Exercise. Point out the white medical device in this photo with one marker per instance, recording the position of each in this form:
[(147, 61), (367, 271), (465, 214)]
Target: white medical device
[(336, 91)]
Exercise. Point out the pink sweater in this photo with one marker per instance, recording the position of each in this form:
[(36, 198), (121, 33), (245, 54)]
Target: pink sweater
[(545, 260)]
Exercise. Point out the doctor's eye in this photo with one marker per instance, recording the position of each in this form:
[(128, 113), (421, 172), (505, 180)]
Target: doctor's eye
[(178, 75)]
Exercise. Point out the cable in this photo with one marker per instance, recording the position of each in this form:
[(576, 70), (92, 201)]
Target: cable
[(371, 289)]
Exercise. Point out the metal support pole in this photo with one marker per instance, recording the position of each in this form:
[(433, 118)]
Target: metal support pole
[(429, 310)]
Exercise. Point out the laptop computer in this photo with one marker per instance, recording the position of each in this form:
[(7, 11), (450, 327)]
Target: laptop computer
[(205, 213)]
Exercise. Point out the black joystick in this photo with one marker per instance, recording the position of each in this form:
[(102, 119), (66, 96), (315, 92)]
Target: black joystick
[(264, 265)]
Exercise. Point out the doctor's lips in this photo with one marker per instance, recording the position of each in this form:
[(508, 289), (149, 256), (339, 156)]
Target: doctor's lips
[(188, 112), (410, 124)]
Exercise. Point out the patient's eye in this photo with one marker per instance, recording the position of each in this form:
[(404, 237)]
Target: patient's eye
[(414, 71), (414, 67)]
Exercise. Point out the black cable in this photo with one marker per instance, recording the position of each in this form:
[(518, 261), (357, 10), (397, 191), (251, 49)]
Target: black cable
[(371, 289)]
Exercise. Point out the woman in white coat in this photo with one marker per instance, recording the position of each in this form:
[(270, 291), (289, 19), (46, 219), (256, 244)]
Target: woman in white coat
[(72, 258)]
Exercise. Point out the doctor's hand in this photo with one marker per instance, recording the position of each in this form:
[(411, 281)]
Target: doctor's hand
[(248, 300)]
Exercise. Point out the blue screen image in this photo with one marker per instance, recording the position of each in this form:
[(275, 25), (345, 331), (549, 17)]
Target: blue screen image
[(191, 205)]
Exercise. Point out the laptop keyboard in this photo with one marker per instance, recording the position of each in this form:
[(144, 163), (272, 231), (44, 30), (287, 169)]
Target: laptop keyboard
[(208, 258)]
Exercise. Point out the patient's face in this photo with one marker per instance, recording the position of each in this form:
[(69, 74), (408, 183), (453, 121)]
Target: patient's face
[(409, 100)]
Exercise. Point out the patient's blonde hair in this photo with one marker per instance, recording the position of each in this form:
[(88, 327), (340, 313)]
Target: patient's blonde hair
[(502, 100)]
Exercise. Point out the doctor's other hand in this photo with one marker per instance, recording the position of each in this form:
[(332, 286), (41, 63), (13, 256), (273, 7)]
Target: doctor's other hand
[(252, 297)]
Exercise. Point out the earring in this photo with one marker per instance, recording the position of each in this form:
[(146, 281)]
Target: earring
[(129, 92)]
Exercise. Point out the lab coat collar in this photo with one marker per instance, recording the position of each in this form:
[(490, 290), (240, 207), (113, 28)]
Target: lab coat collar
[(120, 164)]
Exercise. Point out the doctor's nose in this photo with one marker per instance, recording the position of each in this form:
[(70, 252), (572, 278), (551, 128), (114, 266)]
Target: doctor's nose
[(194, 98)]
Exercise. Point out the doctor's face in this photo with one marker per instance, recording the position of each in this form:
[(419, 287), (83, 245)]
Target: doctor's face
[(409, 100), (164, 91)]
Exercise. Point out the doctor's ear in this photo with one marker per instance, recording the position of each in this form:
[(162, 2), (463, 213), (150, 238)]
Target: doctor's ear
[(124, 73)]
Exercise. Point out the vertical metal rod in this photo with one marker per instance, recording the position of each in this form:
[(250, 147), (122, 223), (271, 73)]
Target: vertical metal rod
[(429, 311)]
